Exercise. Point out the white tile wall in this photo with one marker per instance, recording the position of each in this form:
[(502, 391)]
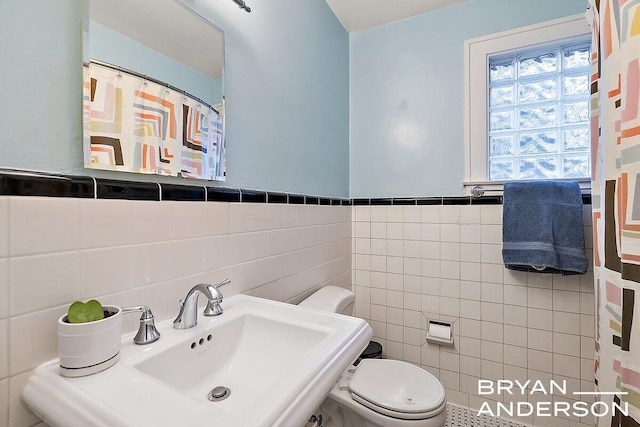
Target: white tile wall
[(4, 226), (41, 281), (4, 402), (57, 250), (507, 324), (410, 264), (4, 345), (30, 222), (4, 287)]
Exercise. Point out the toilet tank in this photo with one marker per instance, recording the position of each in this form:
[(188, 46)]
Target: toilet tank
[(332, 299)]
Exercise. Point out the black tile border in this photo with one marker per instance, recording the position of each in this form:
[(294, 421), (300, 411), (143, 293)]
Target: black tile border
[(20, 183), (439, 201), (405, 202), (486, 200), (361, 202), (429, 201), (26, 183), (456, 201), (277, 197), (253, 196), (127, 190), (215, 194), (379, 202), (296, 199), (183, 193)]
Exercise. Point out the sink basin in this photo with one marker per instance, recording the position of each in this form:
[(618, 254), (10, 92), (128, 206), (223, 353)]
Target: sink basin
[(258, 352), (268, 363)]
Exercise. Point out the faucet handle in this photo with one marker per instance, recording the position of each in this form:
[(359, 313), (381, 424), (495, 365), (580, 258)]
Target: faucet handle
[(213, 306), (147, 332), (223, 283)]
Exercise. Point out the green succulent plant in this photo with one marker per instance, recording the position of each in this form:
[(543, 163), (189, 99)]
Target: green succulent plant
[(80, 312)]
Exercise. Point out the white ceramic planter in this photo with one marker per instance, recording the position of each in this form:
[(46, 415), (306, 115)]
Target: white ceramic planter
[(87, 348)]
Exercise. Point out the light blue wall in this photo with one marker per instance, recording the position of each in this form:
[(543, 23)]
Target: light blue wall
[(286, 82), (289, 80), (406, 84), (112, 47)]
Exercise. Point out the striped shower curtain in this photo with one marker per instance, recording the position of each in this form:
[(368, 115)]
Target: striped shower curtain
[(615, 134), (135, 125)]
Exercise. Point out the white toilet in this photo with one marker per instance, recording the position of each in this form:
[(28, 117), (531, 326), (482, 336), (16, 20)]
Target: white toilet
[(378, 392)]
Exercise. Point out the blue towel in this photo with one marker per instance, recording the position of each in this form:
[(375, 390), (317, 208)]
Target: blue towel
[(542, 229)]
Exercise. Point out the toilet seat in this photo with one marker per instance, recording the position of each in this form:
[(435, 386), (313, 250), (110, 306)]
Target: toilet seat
[(397, 389)]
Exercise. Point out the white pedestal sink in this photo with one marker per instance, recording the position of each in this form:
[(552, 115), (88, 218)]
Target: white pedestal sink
[(274, 364)]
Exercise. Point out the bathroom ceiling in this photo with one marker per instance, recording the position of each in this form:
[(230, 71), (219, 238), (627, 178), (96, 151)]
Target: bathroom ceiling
[(358, 15)]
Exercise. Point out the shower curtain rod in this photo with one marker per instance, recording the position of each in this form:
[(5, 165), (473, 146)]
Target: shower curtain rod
[(242, 5), (151, 79)]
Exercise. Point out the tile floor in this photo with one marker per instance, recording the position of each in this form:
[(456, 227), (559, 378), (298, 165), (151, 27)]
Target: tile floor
[(459, 416)]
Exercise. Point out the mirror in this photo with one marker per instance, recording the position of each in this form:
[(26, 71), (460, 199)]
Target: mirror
[(153, 89)]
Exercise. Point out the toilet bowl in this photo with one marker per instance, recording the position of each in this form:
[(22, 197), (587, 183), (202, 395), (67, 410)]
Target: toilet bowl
[(378, 392)]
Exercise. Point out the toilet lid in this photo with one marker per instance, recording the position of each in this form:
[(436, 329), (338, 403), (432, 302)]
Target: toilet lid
[(396, 388)]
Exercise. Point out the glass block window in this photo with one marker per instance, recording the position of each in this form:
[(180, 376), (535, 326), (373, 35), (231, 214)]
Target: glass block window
[(538, 122)]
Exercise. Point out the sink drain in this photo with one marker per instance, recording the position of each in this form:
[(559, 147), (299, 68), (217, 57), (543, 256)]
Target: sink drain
[(219, 393)]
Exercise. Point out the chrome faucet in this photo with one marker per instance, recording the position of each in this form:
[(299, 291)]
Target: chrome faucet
[(188, 316)]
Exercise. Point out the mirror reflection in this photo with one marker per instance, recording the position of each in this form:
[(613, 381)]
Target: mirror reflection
[(153, 89)]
